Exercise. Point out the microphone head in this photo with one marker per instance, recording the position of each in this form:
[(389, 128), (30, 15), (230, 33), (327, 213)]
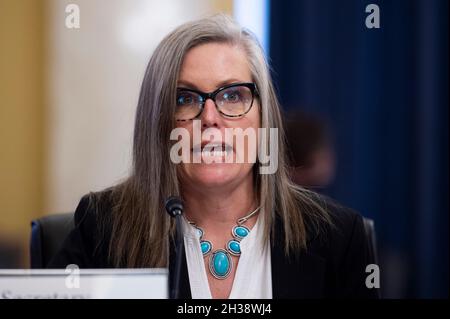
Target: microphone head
[(174, 206)]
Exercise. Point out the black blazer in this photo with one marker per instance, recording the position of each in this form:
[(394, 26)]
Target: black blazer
[(332, 266)]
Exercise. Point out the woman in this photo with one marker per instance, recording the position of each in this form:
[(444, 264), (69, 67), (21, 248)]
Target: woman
[(246, 234)]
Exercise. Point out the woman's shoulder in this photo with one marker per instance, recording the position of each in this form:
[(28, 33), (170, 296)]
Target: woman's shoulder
[(92, 216), (342, 236), (335, 223), (341, 216), (93, 206)]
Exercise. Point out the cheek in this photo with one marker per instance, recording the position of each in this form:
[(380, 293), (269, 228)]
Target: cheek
[(246, 149), (184, 124), (251, 119), (255, 123), (254, 116)]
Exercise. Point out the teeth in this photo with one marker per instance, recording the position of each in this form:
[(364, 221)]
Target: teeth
[(214, 153), (218, 150)]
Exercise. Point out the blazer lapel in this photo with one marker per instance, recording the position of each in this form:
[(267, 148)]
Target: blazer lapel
[(301, 276)]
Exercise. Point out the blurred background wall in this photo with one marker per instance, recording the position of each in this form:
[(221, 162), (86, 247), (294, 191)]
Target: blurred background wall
[(368, 110)]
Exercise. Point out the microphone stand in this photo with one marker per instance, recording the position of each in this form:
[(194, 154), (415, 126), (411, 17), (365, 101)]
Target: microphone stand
[(174, 207), (179, 249)]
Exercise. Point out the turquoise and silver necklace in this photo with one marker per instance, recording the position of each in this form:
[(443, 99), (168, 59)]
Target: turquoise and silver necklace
[(220, 261)]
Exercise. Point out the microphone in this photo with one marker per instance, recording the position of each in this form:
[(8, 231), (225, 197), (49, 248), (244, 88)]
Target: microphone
[(174, 207)]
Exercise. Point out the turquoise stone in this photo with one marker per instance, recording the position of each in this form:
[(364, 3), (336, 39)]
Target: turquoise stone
[(240, 231), (234, 247), (220, 264), (206, 246)]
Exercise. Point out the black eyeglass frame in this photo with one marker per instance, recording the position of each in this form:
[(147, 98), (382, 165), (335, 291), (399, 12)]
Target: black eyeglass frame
[(212, 95)]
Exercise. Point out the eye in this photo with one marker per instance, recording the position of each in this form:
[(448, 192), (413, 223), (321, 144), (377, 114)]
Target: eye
[(232, 96), (185, 98)]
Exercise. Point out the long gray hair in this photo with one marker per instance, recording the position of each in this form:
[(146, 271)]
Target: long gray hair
[(139, 225)]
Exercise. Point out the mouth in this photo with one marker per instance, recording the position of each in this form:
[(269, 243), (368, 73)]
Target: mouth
[(212, 150)]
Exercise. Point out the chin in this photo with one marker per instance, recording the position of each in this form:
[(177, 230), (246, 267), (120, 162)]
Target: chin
[(212, 175)]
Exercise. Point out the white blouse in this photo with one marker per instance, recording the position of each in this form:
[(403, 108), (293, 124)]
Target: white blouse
[(253, 278)]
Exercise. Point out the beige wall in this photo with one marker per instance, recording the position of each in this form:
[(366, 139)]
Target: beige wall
[(68, 96), (21, 119)]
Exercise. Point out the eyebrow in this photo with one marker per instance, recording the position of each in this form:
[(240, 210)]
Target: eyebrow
[(190, 85)]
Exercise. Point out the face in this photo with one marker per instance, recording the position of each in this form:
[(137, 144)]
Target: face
[(206, 68)]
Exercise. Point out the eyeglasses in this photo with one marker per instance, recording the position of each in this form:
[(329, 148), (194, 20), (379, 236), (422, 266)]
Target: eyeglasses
[(234, 100)]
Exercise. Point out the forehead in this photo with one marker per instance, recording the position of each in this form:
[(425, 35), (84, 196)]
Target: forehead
[(211, 65)]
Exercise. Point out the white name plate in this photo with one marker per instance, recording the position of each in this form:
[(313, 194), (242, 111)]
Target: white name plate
[(74, 283)]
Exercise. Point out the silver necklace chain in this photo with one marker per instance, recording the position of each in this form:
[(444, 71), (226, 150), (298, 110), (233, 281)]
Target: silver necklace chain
[(241, 220)]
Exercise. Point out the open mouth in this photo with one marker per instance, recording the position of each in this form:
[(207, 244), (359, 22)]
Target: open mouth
[(211, 150)]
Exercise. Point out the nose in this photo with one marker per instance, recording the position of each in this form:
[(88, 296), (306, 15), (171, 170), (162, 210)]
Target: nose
[(210, 116)]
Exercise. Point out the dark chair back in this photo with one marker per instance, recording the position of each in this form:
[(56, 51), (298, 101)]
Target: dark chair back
[(369, 227), (47, 235)]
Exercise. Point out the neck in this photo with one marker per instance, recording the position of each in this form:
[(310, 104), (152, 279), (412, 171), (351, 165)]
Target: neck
[(217, 208)]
